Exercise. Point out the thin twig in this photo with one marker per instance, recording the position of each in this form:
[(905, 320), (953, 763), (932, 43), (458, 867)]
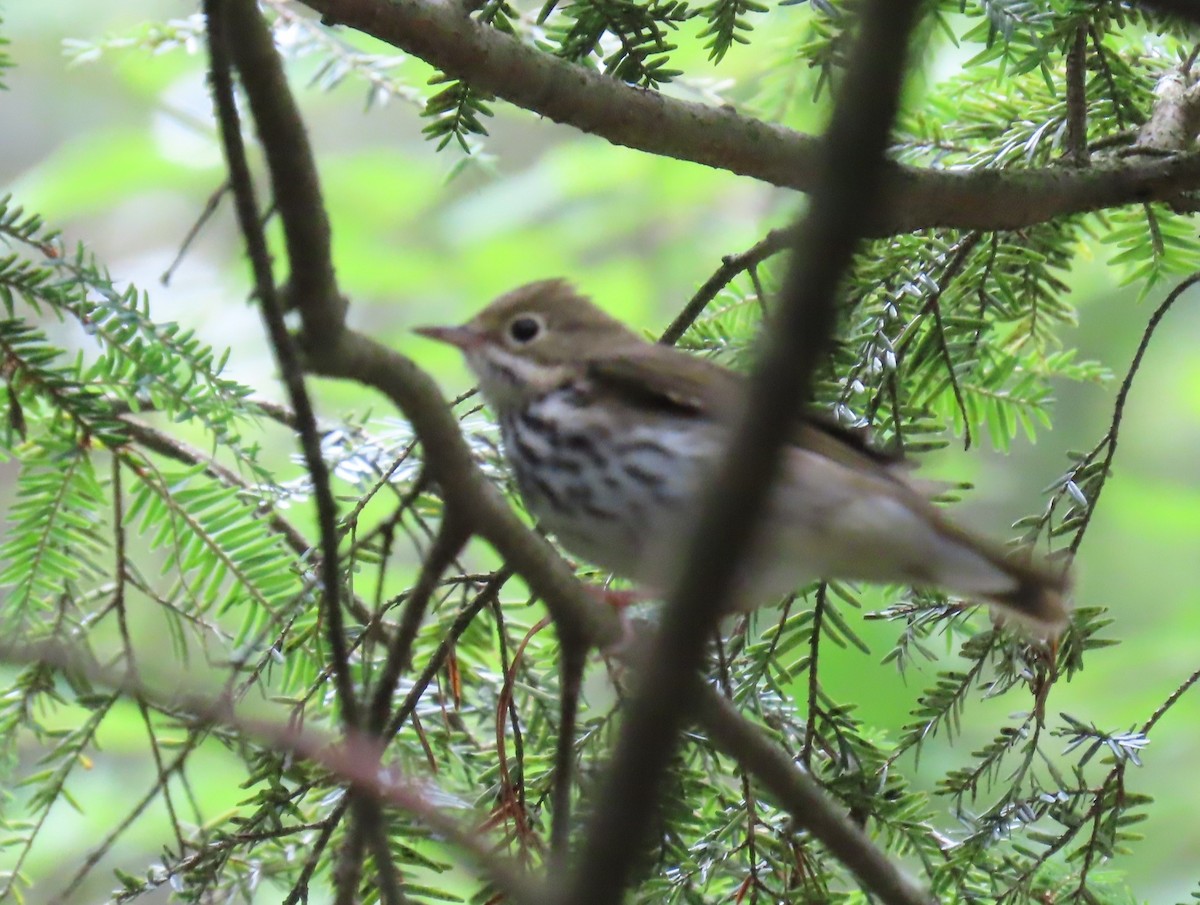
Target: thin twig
[(572, 659), (939, 332), (507, 714), (1170, 702), (210, 208), (775, 241), (954, 266), (814, 685), (1110, 79), (1186, 68), (121, 572), (752, 881), (299, 891), (451, 538), (1110, 439)]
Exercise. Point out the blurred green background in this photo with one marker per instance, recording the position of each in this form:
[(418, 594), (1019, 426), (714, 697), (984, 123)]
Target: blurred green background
[(119, 152)]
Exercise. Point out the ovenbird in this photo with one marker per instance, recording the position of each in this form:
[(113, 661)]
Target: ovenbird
[(611, 439)]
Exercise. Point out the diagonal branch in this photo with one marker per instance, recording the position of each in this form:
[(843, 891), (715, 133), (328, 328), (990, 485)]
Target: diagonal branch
[(1109, 443), (450, 539), (772, 243)]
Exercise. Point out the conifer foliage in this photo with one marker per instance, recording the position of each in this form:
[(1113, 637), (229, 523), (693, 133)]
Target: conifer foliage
[(143, 497)]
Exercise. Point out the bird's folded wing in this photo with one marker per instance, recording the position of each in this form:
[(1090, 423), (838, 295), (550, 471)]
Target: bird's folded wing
[(662, 379)]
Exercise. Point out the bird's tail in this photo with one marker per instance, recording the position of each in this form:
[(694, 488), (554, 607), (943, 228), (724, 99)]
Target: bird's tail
[(1037, 595)]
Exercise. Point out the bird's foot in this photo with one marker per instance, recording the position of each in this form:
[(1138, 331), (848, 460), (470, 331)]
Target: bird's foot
[(619, 600)]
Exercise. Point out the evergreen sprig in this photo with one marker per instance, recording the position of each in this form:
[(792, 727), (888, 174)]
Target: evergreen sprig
[(727, 25), (945, 337), (638, 51)]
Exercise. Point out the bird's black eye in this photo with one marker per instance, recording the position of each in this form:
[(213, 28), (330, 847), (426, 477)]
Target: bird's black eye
[(524, 329)]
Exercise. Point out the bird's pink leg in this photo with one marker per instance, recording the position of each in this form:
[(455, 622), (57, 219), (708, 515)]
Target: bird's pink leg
[(618, 600), (621, 601)]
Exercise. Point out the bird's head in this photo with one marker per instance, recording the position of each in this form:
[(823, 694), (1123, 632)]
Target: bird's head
[(533, 339)]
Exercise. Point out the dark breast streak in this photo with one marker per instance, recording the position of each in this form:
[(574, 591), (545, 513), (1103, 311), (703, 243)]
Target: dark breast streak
[(560, 467), (612, 490)]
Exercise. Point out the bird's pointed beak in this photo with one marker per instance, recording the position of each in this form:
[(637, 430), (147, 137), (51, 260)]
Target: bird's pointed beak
[(464, 337)]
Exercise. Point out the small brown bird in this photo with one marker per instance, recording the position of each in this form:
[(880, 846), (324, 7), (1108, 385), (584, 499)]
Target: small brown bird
[(611, 439)]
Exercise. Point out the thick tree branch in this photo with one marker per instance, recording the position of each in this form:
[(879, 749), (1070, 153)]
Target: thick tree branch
[(841, 206), (295, 189), (440, 33), (1186, 10)]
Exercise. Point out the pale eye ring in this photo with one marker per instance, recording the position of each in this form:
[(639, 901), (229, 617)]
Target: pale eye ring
[(525, 328)]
